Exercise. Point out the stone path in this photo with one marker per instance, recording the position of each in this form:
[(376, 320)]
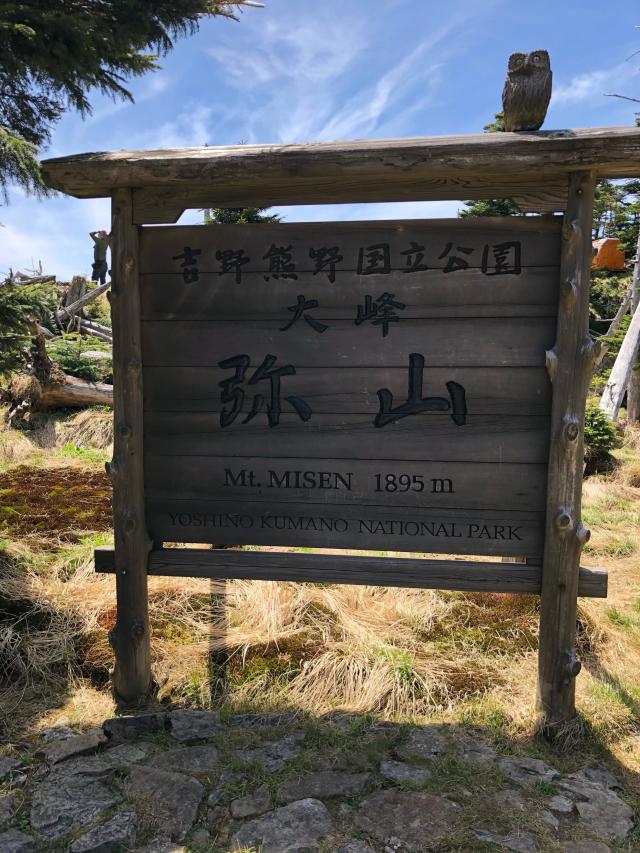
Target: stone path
[(185, 781)]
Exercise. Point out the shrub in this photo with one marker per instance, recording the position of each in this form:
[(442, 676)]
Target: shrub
[(69, 352), (600, 435)]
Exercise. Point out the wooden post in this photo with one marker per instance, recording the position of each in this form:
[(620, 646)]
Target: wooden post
[(569, 364), (130, 637)]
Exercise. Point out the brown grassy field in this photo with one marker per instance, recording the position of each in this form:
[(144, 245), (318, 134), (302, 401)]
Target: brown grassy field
[(397, 654)]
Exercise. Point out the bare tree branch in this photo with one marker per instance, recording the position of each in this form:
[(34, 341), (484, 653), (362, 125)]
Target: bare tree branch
[(623, 97)]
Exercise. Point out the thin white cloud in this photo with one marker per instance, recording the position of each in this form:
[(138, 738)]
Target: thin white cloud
[(594, 84)]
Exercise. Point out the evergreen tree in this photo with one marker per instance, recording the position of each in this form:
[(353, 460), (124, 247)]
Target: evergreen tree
[(491, 206), (52, 52), (238, 215), (18, 301)]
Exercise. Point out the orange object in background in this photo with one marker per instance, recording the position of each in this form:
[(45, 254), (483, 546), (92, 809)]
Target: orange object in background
[(607, 254)]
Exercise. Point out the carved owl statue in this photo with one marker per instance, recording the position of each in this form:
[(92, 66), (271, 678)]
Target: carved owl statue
[(527, 90)]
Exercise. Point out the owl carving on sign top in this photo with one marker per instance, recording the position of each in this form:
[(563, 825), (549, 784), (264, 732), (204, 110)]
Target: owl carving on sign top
[(527, 90)]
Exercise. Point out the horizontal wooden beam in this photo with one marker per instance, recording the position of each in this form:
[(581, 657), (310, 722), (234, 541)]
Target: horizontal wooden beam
[(529, 165), (463, 575)]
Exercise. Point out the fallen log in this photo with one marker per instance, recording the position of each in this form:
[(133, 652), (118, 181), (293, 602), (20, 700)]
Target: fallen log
[(74, 392)]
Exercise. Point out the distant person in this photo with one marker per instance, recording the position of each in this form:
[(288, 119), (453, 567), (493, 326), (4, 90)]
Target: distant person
[(100, 245)]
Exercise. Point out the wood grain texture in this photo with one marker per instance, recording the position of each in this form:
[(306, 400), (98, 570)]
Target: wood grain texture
[(327, 525), (130, 637), (353, 390), (320, 568), (429, 437), (569, 363), (482, 342), (430, 295), (355, 168), (478, 486)]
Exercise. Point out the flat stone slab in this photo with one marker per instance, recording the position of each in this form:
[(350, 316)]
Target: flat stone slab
[(424, 743), (517, 843), (195, 760), (188, 726), (70, 747), (72, 797), (323, 785), (406, 818), (14, 841), (7, 766), (162, 845), (171, 800), (527, 771), (251, 721), (402, 773), (272, 755), (125, 754), (297, 828), (134, 726), (473, 747), (8, 805), (600, 809), (252, 804), (57, 733), (561, 804), (584, 847), (109, 837), (355, 846)]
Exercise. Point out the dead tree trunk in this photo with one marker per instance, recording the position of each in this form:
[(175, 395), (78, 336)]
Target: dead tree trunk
[(621, 372), (633, 391)]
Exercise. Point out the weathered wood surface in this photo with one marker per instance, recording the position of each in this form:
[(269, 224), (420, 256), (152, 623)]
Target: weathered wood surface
[(75, 392), (429, 295), (511, 392), (478, 486), (325, 525), (611, 152), (618, 382), (430, 437), (482, 342), (130, 637), (633, 389), (325, 568), (570, 364)]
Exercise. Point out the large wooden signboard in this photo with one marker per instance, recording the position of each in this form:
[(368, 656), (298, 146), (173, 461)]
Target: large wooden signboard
[(376, 385), (393, 386)]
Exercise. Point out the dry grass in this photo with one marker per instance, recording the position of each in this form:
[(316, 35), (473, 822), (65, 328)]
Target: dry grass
[(393, 652)]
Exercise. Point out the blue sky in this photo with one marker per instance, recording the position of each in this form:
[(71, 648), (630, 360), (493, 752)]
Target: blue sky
[(305, 70)]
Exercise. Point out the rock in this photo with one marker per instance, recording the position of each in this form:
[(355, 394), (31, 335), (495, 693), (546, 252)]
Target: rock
[(599, 775), (527, 771), (510, 800), (14, 841), (296, 828), (550, 819), (561, 804), (324, 784), (406, 818), (232, 777), (214, 798), (188, 726), (398, 771), (424, 743), (355, 846), (8, 805), (109, 837), (57, 733), (272, 755), (69, 747), (194, 760), (200, 839), (72, 797), (600, 809), (7, 766), (215, 816), (162, 845), (517, 843), (584, 847), (125, 754), (252, 804), (134, 726), (473, 747), (170, 799)]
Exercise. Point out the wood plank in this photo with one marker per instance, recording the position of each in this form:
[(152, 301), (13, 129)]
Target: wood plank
[(569, 364), (353, 390), (298, 482), (355, 167), (430, 437), (482, 342), (539, 239), (132, 681), (444, 531), (320, 568), (431, 294)]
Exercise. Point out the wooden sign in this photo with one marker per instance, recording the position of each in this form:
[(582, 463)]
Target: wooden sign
[(376, 385)]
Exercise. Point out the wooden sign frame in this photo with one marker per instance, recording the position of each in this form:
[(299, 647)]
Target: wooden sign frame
[(547, 171)]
